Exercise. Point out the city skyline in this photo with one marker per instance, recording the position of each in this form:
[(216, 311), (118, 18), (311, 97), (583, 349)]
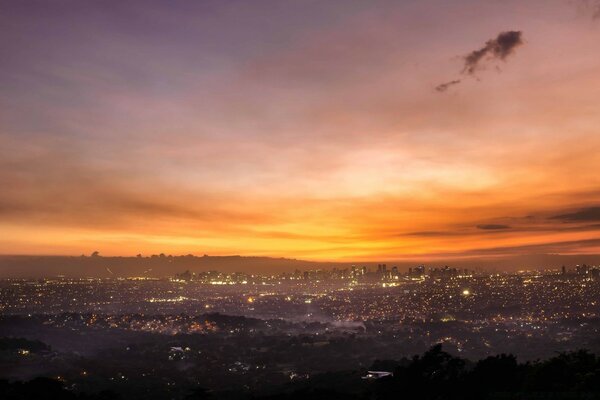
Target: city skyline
[(337, 131)]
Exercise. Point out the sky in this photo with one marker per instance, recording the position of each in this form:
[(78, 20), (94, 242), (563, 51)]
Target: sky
[(337, 130)]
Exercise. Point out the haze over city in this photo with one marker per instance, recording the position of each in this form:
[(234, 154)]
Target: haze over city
[(326, 131)]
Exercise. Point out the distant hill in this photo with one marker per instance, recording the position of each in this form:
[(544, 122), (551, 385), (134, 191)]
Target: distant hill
[(24, 266), (154, 266)]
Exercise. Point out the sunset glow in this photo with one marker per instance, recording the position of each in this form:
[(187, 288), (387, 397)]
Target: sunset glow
[(311, 131)]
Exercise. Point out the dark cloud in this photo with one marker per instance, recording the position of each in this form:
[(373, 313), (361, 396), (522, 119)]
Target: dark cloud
[(584, 215), (499, 48), (493, 226), (444, 86), (555, 247), (560, 247)]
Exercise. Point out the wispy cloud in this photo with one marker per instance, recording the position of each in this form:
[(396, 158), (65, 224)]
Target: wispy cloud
[(445, 86), (590, 214), (493, 227), (496, 49)]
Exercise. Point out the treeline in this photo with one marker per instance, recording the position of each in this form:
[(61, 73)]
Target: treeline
[(435, 375), (439, 375), (47, 389)]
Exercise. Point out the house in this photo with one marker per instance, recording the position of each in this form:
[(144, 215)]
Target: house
[(377, 374)]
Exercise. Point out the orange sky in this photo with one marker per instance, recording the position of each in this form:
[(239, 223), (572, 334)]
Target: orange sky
[(301, 130)]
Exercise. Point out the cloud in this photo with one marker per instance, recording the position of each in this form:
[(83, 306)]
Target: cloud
[(444, 86), (495, 49), (583, 215), (498, 48), (551, 247), (493, 226)]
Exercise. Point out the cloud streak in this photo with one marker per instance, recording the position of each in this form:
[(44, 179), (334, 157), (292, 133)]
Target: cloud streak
[(445, 86), (590, 214), (493, 227), (496, 49)]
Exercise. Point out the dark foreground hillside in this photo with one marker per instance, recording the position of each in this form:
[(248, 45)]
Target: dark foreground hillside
[(433, 375)]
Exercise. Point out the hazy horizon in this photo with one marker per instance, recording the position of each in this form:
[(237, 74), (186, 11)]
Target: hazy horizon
[(102, 266)]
